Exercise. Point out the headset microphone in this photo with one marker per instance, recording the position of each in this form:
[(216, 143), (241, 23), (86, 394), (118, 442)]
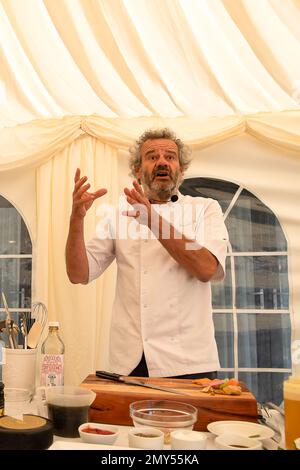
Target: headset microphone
[(174, 198)]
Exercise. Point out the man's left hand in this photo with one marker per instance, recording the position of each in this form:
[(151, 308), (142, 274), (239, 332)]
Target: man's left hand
[(142, 206)]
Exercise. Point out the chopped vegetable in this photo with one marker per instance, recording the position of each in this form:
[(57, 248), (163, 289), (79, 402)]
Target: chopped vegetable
[(221, 387)]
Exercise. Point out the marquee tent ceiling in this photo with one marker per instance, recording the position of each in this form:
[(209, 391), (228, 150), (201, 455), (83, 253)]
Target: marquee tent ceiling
[(148, 58)]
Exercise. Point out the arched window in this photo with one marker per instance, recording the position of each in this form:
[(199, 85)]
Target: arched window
[(15, 266), (251, 307)]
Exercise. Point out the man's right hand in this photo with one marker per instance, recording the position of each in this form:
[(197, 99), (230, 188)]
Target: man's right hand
[(82, 200)]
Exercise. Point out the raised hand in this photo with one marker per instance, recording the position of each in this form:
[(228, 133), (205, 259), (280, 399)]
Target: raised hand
[(142, 206), (82, 200)]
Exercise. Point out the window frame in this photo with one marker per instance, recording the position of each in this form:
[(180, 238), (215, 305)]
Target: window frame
[(234, 311), (28, 256)]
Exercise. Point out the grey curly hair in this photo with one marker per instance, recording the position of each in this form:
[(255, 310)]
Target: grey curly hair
[(184, 152)]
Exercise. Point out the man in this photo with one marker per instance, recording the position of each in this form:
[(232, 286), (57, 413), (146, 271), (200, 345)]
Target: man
[(162, 318)]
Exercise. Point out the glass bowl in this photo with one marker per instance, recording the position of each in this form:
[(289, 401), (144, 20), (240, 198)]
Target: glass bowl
[(164, 415)]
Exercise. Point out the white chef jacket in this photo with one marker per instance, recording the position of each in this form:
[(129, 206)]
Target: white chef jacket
[(160, 308)]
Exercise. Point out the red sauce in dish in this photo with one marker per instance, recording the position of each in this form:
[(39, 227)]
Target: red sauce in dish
[(97, 431)]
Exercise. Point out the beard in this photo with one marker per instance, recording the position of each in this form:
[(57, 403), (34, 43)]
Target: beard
[(160, 189)]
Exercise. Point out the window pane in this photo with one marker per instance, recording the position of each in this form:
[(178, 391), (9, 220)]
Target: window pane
[(222, 292), (225, 374), (14, 236), (264, 340), (15, 281), (262, 282), (222, 191), (252, 226), (265, 386), (224, 338)]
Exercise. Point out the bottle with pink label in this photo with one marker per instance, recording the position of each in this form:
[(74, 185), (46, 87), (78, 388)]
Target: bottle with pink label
[(52, 367)]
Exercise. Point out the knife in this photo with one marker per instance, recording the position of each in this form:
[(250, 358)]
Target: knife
[(121, 378)]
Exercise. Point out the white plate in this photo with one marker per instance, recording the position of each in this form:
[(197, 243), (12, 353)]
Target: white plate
[(68, 445), (243, 428)]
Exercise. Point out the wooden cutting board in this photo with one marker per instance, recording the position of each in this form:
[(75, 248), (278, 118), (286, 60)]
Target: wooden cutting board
[(113, 399)]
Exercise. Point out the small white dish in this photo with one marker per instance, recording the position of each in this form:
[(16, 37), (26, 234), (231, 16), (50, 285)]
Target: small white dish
[(93, 438), (146, 438), (237, 442), (182, 439), (241, 428)]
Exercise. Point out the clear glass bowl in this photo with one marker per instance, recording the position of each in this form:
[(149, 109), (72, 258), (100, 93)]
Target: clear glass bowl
[(163, 414)]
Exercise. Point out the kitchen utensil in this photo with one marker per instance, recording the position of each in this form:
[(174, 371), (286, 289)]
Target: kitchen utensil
[(5, 328), (5, 305), (23, 328), (120, 378), (275, 407), (13, 343), (39, 311), (10, 330)]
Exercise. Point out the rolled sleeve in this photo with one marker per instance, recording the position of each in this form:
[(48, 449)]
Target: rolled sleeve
[(100, 254), (214, 236)]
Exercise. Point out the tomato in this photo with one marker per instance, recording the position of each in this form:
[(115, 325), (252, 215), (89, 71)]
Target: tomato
[(233, 382), (97, 431)]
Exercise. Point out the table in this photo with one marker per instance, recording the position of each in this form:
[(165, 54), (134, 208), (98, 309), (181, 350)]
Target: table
[(121, 443)]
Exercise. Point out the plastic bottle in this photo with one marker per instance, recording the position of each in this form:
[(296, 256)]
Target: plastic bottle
[(52, 369)]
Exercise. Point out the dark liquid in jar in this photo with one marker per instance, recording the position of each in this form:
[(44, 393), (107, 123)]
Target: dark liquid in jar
[(66, 419)]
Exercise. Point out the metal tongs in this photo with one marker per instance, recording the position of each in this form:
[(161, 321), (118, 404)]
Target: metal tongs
[(10, 327)]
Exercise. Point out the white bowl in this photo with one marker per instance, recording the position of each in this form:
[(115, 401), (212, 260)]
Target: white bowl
[(182, 439), (241, 428), (146, 438), (236, 442), (98, 438)]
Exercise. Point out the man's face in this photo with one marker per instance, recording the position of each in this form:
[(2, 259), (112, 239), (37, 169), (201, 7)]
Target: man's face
[(160, 171)]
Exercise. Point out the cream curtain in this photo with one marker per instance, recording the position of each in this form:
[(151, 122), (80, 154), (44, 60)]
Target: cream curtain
[(143, 58), (35, 143), (83, 311)]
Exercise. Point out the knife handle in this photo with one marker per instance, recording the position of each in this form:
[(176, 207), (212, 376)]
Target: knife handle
[(108, 375)]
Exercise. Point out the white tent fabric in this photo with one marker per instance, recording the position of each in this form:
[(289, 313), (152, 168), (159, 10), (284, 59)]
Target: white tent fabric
[(130, 58), (80, 79)]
